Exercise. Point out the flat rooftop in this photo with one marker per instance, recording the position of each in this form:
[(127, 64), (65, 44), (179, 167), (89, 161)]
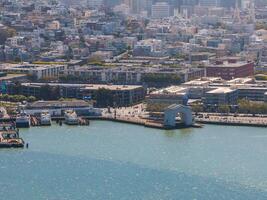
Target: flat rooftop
[(240, 80), (202, 81), (12, 76), (222, 90), (172, 90), (26, 66), (88, 86), (227, 64), (57, 104)]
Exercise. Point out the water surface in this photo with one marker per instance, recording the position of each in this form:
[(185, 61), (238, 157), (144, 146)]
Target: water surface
[(110, 160)]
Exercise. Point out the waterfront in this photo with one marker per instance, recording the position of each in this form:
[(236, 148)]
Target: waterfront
[(110, 160)]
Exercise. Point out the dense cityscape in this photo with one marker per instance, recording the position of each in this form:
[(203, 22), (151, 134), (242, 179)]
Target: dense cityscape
[(162, 65)]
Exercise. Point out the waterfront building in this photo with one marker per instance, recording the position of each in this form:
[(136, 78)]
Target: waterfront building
[(221, 96), (197, 88), (57, 108), (168, 96), (247, 87), (121, 95), (251, 92)]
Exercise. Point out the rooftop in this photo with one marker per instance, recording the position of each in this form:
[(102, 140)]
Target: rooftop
[(172, 90), (221, 90), (88, 86), (57, 104), (229, 64), (11, 76), (26, 66)]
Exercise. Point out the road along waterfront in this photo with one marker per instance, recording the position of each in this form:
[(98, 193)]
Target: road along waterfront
[(109, 160)]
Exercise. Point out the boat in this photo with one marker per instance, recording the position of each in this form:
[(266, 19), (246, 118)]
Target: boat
[(71, 117), (23, 121), (45, 118), (9, 138)]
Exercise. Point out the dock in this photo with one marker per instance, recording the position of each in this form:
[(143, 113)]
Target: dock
[(233, 120)]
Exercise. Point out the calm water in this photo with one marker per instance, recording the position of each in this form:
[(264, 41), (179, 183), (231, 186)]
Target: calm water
[(117, 161)]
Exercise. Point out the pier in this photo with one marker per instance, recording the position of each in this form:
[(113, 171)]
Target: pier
[(232, 120)]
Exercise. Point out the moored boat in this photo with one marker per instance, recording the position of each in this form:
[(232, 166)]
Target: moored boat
[(45, 118), (9, 137), (23, 121), (71, 117)]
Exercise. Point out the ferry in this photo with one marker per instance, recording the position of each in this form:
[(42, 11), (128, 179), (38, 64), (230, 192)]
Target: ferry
[(45, 118), (23, 121), (71, 117), (9, 137)]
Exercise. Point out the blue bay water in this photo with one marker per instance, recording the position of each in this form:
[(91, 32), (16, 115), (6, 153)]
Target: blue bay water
[(114, 161)]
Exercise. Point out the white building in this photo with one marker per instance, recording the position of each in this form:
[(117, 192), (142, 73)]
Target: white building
[(155, 45), (160, 10), (39, 71)]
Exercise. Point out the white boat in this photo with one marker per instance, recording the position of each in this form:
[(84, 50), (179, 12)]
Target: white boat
[(23, 121), (45, 119), (71, 117)]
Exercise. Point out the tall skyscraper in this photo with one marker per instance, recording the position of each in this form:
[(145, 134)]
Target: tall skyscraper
[(136, 6), (95, 3), (209, 3), (229, 3), (160, 10)]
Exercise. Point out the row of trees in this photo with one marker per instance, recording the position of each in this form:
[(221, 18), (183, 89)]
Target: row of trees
[(17, 98), (156, 107), (246, 106), (161, 79), (243, 106)]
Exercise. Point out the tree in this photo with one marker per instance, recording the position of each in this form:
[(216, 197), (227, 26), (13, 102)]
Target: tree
[(197, 108), (224, 108), (246, 106), (162, 78), (31, 99)]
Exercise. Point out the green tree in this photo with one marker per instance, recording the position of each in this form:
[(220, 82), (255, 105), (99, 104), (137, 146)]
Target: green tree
[(224, 108), (31, 99), (197, 108)]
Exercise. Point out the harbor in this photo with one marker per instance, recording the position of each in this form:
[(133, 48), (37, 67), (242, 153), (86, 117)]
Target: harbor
[(73, 114), (137, 115)]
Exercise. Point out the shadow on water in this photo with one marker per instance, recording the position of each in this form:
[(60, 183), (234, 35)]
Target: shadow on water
[(183, 132), (47, 176)]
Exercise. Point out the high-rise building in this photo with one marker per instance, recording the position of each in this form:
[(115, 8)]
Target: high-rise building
[(229, 3), (160, 10), (136, 6), (94, 3), (209, 3)]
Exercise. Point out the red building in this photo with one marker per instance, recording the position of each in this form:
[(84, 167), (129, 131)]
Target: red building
[(230, 69)]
